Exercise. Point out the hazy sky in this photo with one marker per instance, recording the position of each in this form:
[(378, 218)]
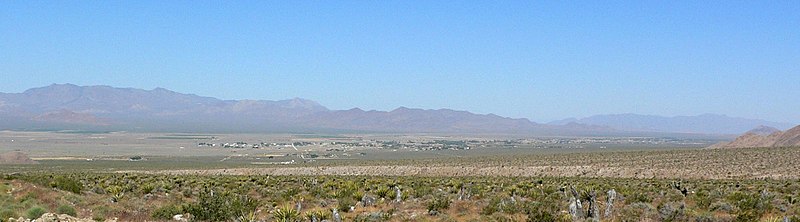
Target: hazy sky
[(542, 60)]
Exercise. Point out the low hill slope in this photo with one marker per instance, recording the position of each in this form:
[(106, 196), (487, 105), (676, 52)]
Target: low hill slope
[(759, 138), (15, 157), (789, 138)]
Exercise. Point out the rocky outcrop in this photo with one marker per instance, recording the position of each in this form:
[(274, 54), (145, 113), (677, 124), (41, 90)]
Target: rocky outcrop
[(51, 217)]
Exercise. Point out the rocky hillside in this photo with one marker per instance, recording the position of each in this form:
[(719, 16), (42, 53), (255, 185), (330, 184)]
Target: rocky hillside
[(764, 137)]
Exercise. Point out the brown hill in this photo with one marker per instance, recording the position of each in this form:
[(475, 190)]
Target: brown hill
[(764, 130), (789, 138), (15, 157)]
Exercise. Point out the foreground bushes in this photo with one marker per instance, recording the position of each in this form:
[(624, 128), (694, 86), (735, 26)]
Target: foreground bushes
[(67, 184), (66, 209), (305, 198), (35, 212), (167, 211), (211, 206)]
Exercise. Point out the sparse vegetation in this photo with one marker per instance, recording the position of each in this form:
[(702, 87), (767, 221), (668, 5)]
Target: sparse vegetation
[(300, 198), (35, 212), (514, 185), (66, 209)]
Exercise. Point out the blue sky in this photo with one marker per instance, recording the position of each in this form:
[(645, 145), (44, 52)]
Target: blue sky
[(542, 60)]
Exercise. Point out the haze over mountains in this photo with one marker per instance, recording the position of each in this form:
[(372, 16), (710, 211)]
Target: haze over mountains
[(706, 123), (67, 106)]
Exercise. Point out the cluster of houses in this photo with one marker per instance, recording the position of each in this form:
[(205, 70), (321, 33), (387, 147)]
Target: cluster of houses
[(242, 145), (426, 145), (338, 146)]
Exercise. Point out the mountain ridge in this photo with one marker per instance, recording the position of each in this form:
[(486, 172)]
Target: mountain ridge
[(68, 106), (58, 105)]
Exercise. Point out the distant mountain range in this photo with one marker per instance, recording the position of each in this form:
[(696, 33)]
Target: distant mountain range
[(763, 137), (71, 107), (67, 106), (706, 123)]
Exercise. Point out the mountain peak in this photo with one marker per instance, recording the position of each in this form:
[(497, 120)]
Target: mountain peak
[(55, 87), (63, 85), (355, 109), (759, 138), (300, 103), (401, 109), (764, 130), (159, 89)]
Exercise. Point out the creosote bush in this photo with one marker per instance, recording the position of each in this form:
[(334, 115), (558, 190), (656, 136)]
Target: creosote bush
[(66, 209), (35, 212), (221, 206), (167, 211), (438, 203), (67, 184)]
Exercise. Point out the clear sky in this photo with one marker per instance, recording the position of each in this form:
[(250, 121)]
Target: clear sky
[(542, 60)]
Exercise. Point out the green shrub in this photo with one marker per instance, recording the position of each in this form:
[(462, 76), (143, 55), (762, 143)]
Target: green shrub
[(221, 206), (750, 207), (100, 213), (244, 207), (66, 209), (67, 184), (702, 199), (166, 212), (502, 205), (422, 191), (492, 207), (439, 202), (35, 212), (344, 204), (540, 211), (7, 213), (639, 197), (542, 215)]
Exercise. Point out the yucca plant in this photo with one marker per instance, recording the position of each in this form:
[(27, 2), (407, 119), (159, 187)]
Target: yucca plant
[(248, 217), (383, 191), (286, 214), (318, 215)]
